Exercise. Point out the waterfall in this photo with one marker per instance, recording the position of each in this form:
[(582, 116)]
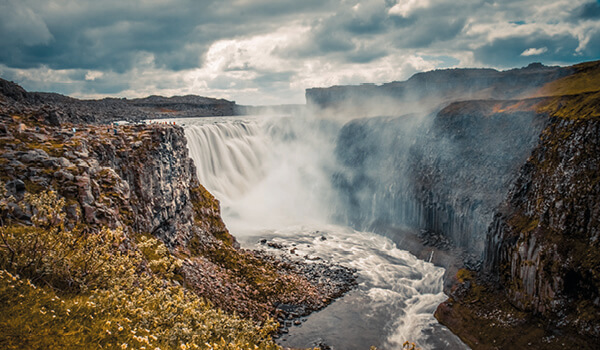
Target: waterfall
[(230, 156), (266, 172), (275, 178)]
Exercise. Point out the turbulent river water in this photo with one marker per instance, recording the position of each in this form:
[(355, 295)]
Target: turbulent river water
[(273, 179)]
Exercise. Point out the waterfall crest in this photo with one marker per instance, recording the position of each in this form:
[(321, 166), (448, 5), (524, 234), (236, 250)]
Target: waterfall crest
[(230, 156), (267, 172)]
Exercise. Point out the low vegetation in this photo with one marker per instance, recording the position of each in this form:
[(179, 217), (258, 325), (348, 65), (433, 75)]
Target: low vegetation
[(64, 287)]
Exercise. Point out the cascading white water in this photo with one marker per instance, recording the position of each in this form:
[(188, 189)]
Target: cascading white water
[(266, 172), (230, 156), (273, 178)]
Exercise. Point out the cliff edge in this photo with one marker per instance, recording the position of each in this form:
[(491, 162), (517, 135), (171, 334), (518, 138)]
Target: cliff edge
[(114, 217)]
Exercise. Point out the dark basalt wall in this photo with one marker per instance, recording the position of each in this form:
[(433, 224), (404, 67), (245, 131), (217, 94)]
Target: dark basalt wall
[(444, 173), (543, 244)]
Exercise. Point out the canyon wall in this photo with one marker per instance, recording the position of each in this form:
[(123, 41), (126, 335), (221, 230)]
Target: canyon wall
[(543, 243), (444, 173), (513, 181), (137, 177)]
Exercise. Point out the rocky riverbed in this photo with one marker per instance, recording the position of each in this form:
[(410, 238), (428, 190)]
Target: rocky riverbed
[(333, 280)]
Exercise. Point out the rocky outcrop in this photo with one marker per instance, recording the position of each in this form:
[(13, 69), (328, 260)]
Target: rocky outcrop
[(543, 245), (136, 177), (541, 258)]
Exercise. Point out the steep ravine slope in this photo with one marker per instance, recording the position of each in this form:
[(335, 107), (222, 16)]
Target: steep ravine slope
[(446, 167), (541, 267), (544, 240), (444, 173), (514, 182)]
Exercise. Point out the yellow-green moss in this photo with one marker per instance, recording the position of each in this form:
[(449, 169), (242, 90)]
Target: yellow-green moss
[(522, 223), (586, 78), (118, 303), (581, 106)]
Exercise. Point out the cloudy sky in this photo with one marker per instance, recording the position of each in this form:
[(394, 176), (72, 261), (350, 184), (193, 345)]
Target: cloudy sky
[(269, 51)]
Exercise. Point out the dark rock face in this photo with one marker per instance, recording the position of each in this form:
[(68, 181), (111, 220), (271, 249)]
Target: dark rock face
[(158, 177), (543, 244), (141, 178), (444, 173)]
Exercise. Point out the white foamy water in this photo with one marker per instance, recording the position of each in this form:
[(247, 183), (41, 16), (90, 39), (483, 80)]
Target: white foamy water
[(272, 177)]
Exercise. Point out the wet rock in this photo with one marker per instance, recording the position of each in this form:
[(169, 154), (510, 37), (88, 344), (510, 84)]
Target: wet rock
[(275, 245)]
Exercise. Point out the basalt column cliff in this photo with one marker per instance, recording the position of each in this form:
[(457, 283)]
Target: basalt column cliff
[(504, 166)]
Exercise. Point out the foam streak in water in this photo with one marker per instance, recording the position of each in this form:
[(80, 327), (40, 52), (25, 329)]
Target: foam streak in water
[(394, 302)]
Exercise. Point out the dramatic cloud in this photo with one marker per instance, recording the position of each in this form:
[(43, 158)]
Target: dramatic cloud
[(268, 52), (534, 52)]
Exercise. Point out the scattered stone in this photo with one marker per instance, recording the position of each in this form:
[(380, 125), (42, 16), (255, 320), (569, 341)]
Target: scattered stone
[(436, 240), (275, 245)]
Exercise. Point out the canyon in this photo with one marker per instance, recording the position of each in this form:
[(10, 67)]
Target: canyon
[(491, 174)]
